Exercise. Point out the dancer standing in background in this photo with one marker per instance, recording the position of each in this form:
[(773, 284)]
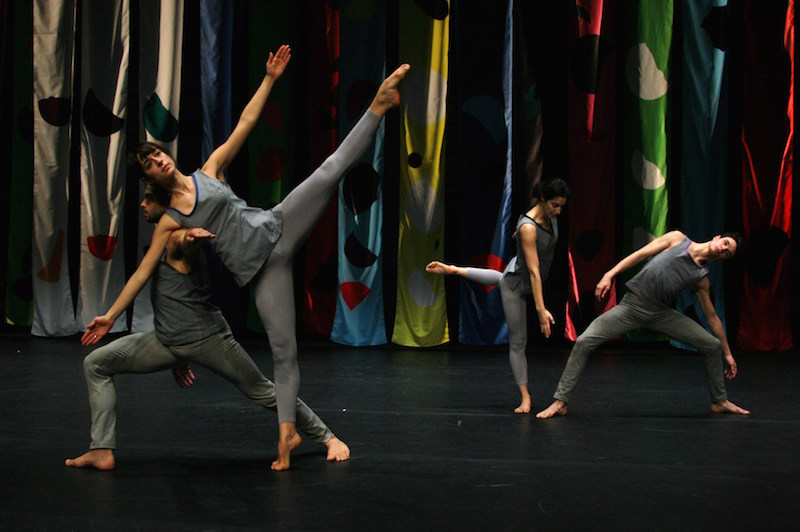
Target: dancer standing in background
[(536, 235)]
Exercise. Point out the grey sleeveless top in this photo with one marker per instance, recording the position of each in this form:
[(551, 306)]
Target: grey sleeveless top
[(245, 235), (518, 278), (666, 274), (182, 307)]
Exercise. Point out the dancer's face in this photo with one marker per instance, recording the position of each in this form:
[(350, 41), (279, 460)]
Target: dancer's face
[(157, 167), (723, 247), (553, 206), (152, 209)]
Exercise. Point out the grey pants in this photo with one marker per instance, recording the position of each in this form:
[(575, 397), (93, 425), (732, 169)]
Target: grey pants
[(631, 313), (516, 313), (274, 285), (143, 353)]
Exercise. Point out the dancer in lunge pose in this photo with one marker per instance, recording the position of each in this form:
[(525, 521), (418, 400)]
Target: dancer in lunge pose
[(536, 235), (187, 327), (677, 263), (256, 245)]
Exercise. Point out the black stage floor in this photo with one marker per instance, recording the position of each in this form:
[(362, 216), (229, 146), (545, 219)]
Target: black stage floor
[(434, 444)]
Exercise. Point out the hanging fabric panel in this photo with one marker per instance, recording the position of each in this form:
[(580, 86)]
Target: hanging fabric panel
[(359, 318), (645, 189), (421, 314), (704, 137), (483, 194), (592, 170), (272, 144), (767, 144), (18, 295), (160, 52), (320, 282), (53, 40), (105, 42)]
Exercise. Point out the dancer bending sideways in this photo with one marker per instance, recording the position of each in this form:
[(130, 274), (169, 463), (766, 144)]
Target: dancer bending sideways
[(677, 263), (187, 327), (256, 245), (536, 235)]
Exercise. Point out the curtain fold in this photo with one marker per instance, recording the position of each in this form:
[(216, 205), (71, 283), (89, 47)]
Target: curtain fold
[(479, 164), (592, 167), (160, 60), (320, 281), (767, 144), (359, 318), (646, 190), (421, 314), (704, 137), (53, 45)]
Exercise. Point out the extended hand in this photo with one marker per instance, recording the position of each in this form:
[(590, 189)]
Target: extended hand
[(198, 233), (98, 328), (276, 63), (603, 287)]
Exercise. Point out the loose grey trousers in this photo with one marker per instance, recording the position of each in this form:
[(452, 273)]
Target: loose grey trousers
[(631, 313), (143, 353), (274, 284)]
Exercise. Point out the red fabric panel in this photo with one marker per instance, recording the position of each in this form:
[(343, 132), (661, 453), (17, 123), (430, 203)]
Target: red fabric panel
[(592, 171), (767, 142), (320, 281)]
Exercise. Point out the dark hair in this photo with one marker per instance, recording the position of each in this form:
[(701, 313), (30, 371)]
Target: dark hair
[(549, 189), (158, 194), (141, 151)]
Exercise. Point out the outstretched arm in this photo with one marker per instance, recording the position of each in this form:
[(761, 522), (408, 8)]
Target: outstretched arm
[(221, 157), (666, 241), (100, 325), (703, 294)]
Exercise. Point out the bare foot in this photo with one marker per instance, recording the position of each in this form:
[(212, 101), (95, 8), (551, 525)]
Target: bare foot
[(726, 407), (102, 459), (524, 406), (285, 449), (388, 96), (558, 408), (338, 451), (440, 268)]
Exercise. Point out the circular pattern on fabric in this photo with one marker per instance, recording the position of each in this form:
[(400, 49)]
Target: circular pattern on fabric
[(645, 79)]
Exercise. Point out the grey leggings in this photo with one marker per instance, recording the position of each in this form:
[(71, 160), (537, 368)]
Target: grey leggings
[(516, 312), (143, 353), (631, 314), (274, 285)]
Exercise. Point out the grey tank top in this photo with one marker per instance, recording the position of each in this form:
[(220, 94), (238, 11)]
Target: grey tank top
[(666, 274), (518, 278), (245, 235), (182, 307)]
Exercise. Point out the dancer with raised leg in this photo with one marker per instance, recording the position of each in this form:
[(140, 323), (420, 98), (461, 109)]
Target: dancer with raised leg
[(256, 245), (536, 236), (188, 327)]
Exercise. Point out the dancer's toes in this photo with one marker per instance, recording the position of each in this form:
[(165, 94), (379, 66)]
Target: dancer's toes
[(558, 408), (102, 459), (285, 449), (338, 451), (524, 406), (727, 407)]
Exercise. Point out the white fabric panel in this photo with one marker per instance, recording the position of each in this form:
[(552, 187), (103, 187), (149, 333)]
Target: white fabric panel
[(160, 54), (105, 46), (53, 45)]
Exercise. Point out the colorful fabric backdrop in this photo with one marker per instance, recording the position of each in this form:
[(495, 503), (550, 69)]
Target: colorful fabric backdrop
[(651, 132)]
